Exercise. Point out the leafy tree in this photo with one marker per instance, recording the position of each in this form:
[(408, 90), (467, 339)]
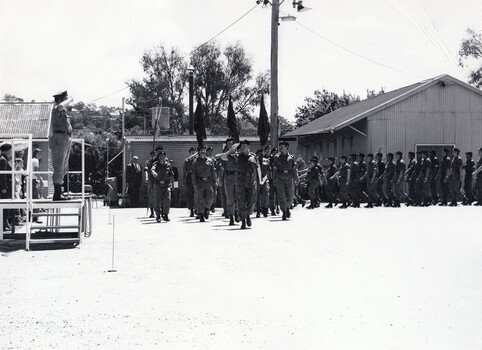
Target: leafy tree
[(322, 103), (471, 48), (11, 98)]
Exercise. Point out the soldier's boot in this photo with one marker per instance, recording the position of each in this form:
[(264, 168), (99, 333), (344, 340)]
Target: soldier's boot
[(284, 216), (236, 216), (243, 224), (273, 213), (158, 217), (152, 213), (453, 204), (231, 220), (58, 196), (288, 213), (343, 206), (369, 205), (265, 212), (295, 203), (248, 221), (201, 218), (303, 202), (277, 210), (258, 213), (330, 205), (165, 217), (191, 214), (206, 213)]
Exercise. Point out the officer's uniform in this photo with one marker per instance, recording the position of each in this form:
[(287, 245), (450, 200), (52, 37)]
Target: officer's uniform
[(371, 172), (331, 184), (262, 202), (187, 172), (389, 176), (162, 174), (444, 185), (284, 173), (59, 143), (204, 178), (246, 184), (469, 168), (399, 182), (455, 179), (313, 177)]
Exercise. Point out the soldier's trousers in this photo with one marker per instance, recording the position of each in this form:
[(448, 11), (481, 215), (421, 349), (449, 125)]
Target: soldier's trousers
[(60, 147), (230, 189), (273, 196), (444, 189), (427, 195), (162, 198), (245, 194), (150, 193), (330, 191), (204, 195), (478, 187), (343, 191), (469, 193), (389, 193), (312, 190), (433, 189), (455, 185), (222, 193), (352, 191), (381, 189), (372, 191), (262, 200), (190, 192), (400, 194), (285, 191), (411, 191), (361, 188), (419, 193)]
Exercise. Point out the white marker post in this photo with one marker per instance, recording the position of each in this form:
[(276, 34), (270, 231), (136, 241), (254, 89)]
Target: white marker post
[(113, 241), (109, 223)]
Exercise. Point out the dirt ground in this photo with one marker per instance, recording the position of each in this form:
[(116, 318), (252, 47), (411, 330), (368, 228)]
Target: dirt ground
[(408, 278)]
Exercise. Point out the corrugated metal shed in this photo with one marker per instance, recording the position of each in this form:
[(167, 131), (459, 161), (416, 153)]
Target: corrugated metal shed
[(345, 116), (26, 118)]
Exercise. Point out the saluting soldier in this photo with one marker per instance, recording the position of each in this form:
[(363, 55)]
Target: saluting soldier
[(410, 178), (379, 180), (425, 175), (353, 181), (370, 179), (433, 176), (331, 183), (399, 179), (285, 176), (187, 176), (262, 202), (163, 179), (469, 168), (313, 178), (445, 176), (478, 178), (204, 179), (388, 177), (455, 180)]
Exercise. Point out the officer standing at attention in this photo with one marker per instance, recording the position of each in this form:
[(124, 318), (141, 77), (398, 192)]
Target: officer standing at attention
[(313, 177), (163, 179), (59, 142), (445, 176), (204, 179), (379, 180), (455, 167), (330, 184), (353, 181), (285, 176), (478, 180), (399, 179), (370, 179), (433, 176), (469, 168)]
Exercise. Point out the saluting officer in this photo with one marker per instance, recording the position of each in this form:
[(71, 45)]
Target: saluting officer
[(469, 168), (285, 176), (478, 180), (445, 176), (455, 180), (187, 176), (370, 179), (204, 179), (313, 177), (163, 179), (399, 179)]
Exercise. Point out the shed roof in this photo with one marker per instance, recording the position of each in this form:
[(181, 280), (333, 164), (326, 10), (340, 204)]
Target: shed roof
[(26, 118), (345, 116)]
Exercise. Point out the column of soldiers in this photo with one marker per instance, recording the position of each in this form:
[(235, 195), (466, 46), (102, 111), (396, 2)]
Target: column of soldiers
[(380, 183)]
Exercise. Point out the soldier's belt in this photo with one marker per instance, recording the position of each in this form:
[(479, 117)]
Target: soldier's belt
[(283, 171), (203, 178)]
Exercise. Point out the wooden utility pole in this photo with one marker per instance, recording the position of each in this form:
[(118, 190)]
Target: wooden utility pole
[(191, 101), (274, 73), (124, 156)]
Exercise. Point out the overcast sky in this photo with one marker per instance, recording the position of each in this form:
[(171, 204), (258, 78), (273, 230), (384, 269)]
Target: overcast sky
[(91, 48)]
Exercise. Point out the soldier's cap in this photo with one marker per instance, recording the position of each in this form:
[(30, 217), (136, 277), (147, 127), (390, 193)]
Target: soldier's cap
[(202, 148), (192, 149), (230, 139), (159, 148), (162, 153), (244, 142), (432, 151), (343, 157), (361, 155), (314, 159), (390, 155), (5, 147), (332, 159), (380, 154), (268, 146), (151, 153), (456, 150), (209, 148), (399, 153), (284, 143), (469, 154), (62, 94), (135, 157), (370, 155), (274, 150), (411, 153), (446, 150)]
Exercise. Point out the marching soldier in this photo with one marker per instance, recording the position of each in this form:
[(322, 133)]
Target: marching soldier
[(353, 181), (187, 172), (379, 180), (410, 178), (418, 184), (369, 178), (469, 168), (343, 174), (455, 167), (262, 202), (273, 195), (445, 176), (229, 179), (361, 186), (313, 176), (204, 179), (478, 182), (163, 179), (424, 179), (399, 179), (388, 176), (284, 172), (330, 184), (433, 176)]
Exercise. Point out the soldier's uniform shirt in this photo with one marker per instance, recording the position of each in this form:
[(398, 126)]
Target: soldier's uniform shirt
[(229, 181), (150, 181), (285, 166), (389, 175), (362, 169), (435, 167), (246, 188), (399, 168), (344, 172), (444, 167), (203, 176), (456, 165), (427, 167), (469, 168), (380, 182), (162, 188), (187, 171), (59, 143)]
